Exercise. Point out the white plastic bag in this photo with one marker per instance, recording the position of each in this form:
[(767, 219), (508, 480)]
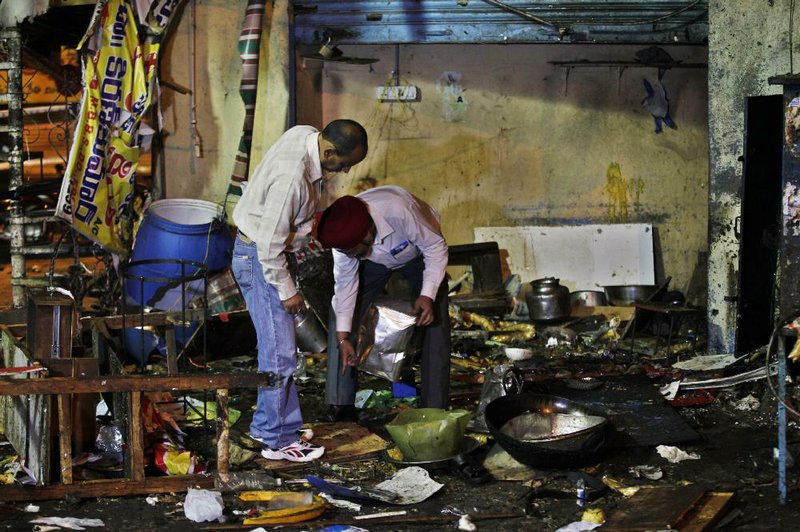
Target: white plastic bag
[(203, 505)]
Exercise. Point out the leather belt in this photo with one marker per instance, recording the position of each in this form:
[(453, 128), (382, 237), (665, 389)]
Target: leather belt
[(244, 238)]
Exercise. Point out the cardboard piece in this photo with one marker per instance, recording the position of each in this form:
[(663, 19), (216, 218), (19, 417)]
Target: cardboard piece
[(342, 442)]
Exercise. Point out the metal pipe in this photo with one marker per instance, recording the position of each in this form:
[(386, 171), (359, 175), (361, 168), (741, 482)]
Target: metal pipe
[(197, 147), (38, 110), (13, 41), (292, 67)]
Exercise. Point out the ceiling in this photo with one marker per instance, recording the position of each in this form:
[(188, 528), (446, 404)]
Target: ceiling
[(501, 21)]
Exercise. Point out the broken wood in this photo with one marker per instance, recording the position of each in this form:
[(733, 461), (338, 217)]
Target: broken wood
[(223, 449), (707, 512), (106, 488), (135, 319), (136, 438), (65, 437), (655, 509), (130, 383)]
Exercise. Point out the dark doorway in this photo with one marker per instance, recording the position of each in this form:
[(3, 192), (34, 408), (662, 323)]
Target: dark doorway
[(759, 235)]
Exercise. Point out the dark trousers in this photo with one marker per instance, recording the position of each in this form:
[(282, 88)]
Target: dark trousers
[(341, 389)]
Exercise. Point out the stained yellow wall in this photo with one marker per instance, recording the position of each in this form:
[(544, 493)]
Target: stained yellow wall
[(535, 144), (219, 107)]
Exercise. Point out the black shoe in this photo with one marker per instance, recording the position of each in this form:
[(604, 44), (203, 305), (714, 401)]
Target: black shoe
[(342, 413)]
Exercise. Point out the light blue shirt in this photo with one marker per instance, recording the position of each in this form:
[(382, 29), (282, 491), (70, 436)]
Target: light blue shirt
[(406, 227)]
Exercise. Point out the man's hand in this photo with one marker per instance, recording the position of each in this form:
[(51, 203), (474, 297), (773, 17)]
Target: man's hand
[(294, 304), (423, 308), (346, 351)]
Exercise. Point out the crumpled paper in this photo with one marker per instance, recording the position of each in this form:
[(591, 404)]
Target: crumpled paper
[(411, 484), (675, 455)]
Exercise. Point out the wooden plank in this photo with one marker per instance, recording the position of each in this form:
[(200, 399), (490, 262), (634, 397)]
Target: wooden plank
[(624, 313), (130, 383), (135, 319), (65, 437), (106, 488), (655, 509), (223, 448), (172, 350), (25, 420), (136, 438), (707, 512)]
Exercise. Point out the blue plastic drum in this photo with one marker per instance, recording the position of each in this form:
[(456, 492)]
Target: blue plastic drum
[(178, 229)]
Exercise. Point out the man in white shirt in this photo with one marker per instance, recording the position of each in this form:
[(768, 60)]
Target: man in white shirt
[(274, 218), (381, 231)]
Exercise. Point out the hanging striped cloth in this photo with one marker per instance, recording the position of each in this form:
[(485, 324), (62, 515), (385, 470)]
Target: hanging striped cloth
[(249, 43)]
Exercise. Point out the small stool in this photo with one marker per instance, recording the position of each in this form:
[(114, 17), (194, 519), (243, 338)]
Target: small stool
[(670, 311)]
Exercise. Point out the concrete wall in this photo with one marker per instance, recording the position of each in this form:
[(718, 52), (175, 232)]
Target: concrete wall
[(530, 143), (748, 43)]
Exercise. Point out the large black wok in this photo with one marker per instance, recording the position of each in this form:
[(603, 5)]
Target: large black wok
[(546, 431)]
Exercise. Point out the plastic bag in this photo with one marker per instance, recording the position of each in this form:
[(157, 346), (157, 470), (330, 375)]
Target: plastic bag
[(384, 339)]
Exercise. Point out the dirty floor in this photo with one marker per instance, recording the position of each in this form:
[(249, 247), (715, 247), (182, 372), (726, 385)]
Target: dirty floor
[(736, 431), (735, 455)]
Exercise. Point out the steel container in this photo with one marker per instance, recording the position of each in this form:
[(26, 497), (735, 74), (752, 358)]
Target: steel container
[(547, 300)]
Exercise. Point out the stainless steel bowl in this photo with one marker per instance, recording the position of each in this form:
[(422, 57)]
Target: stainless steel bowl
[(588, 298), (627, 295), (546, 431)]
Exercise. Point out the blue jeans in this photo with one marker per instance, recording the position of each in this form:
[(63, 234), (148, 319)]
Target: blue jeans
[(277, 417)]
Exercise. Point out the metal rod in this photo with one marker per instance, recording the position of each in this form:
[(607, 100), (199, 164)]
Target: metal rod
[(198, 149), (782, 417), (292, 118), (396, 65)]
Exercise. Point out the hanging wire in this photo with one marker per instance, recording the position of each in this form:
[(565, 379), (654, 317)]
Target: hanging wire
[(546, 22), (789, 407)]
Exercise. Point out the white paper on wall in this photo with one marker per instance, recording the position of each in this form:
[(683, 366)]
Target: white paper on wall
[(583, 257)]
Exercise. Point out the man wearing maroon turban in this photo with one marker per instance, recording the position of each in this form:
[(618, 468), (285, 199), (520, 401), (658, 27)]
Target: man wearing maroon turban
[(374, 234), (274, 217)]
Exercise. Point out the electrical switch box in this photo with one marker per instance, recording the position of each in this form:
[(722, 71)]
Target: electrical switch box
[(397, 93)]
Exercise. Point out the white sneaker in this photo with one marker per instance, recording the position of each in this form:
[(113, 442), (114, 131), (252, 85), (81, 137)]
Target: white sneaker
[(299, 451), (302, 434)]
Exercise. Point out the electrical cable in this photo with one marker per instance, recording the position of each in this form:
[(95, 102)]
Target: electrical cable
[(546, 22)]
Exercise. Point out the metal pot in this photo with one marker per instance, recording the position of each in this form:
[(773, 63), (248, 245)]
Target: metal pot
[(548, 300), (588, 298), (627, 295)]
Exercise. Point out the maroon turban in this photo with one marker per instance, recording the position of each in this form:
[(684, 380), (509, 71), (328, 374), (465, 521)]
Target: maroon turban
[(344, 224)]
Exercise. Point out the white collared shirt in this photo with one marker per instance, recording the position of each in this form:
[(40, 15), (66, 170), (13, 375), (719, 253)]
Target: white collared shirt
[(405, 228), (279, 201)]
